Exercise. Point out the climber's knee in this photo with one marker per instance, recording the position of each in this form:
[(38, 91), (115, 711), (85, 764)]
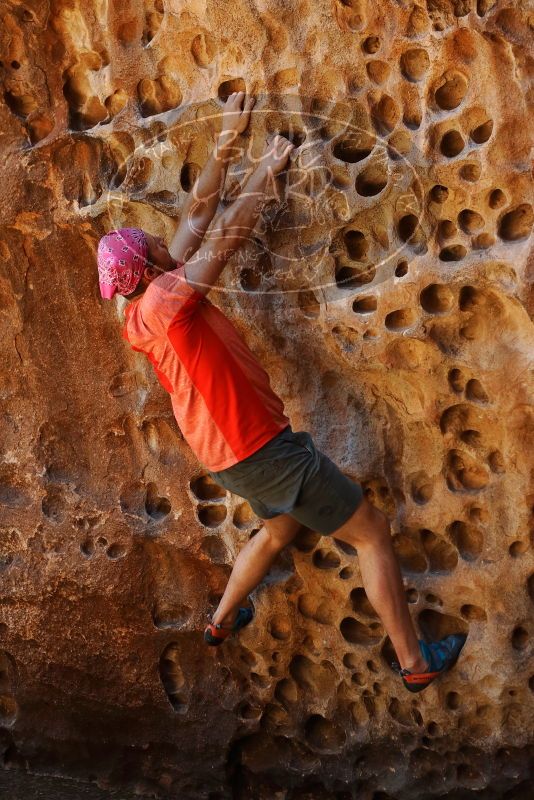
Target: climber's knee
[(367, 525)]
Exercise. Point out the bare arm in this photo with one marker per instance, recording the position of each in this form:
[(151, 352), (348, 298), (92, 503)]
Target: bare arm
[(236, 224), (203, 200)]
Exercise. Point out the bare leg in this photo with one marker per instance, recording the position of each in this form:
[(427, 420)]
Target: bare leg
[(253, 563), (368, 530)]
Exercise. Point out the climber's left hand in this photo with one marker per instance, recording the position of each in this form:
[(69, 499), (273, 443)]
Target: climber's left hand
[(236, 114)]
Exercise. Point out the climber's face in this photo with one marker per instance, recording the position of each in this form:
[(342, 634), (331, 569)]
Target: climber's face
[(159, 258)]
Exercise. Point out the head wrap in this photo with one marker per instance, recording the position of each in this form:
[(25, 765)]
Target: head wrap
[(122, 257)]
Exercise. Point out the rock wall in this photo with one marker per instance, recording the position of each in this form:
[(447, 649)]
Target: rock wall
[(387, 293)]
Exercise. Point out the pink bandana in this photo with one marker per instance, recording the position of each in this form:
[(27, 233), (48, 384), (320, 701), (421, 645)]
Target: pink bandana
[(122, 256)]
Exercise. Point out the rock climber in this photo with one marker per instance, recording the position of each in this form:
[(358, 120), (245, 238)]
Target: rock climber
[(228, 412)]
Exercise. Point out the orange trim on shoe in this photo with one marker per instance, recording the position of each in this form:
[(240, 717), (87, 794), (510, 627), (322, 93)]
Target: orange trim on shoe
[(219, 631), (422, 677)]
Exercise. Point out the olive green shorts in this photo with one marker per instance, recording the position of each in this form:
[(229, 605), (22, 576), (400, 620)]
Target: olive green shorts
[(289, 475)]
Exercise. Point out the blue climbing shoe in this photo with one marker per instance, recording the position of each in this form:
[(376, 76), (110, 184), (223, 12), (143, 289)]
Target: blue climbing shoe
[(440, 656), (216, 634)]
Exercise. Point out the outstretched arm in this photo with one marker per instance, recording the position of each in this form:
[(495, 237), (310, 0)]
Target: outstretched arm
[(236, 224), (201, 205)]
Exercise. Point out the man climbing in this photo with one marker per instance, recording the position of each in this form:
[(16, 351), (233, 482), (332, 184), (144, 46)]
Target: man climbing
[(230, 415)]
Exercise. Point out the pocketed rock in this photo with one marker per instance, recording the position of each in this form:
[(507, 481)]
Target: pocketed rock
[(386, 291)]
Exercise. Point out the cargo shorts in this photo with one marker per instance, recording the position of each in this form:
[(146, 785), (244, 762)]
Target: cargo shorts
[(289, 475)]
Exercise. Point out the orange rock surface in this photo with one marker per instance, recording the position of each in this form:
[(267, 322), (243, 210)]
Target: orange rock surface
[(386, 291)]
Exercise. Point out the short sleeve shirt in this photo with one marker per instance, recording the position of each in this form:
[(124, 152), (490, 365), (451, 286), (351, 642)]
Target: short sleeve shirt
[(221, 395)]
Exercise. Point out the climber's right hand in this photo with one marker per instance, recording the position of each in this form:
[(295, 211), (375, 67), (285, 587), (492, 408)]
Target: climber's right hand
[(276, 153)]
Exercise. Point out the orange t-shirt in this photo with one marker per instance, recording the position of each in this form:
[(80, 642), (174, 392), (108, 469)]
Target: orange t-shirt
[(221, 395)]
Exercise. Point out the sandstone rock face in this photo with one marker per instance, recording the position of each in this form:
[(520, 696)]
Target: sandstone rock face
[(385, 290)]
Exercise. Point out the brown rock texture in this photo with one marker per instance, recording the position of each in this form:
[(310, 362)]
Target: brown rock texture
[(387, 293)]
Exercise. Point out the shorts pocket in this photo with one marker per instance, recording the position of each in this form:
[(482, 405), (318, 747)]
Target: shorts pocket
[(303, 439)]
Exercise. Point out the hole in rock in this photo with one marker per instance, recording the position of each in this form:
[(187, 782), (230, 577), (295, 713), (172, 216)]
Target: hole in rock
[(435, 625), (243, 516), (324, 735), (311, 607), (261, 681), (351, 277), (156, 507), (286, 692), (116, 551), (442, 557), (400, 319), (475, 392), (378, 71), (470, 172), (87, 548), (412, 560), (351, 661), (326, 559), (452, 144), (385, 114), (482, 133), (371, 44), (306, 540), (436, 298), (470, 298), (354, 148), (446, 229), (205, 488), (439, 193), (453, 700), (172, 677), (520, 638), (215, 549), (467, 539), (246, 711), (372, 180), (356, 245), (228, 87), (211, 516), (473, 613), (401, 269), (360, 603), (453, 253), (188, 175), (309, 304), (312, 677), (414, 63), (518, 549), (295, 135), (456, 379), (451, 93), (170, 615), (369, 703), (371, 333), (357, 633), (365, 305), (408, 225), (470, 221), (517, 224), (280, 628), (387, 652), (483, 241), (497, 198)]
